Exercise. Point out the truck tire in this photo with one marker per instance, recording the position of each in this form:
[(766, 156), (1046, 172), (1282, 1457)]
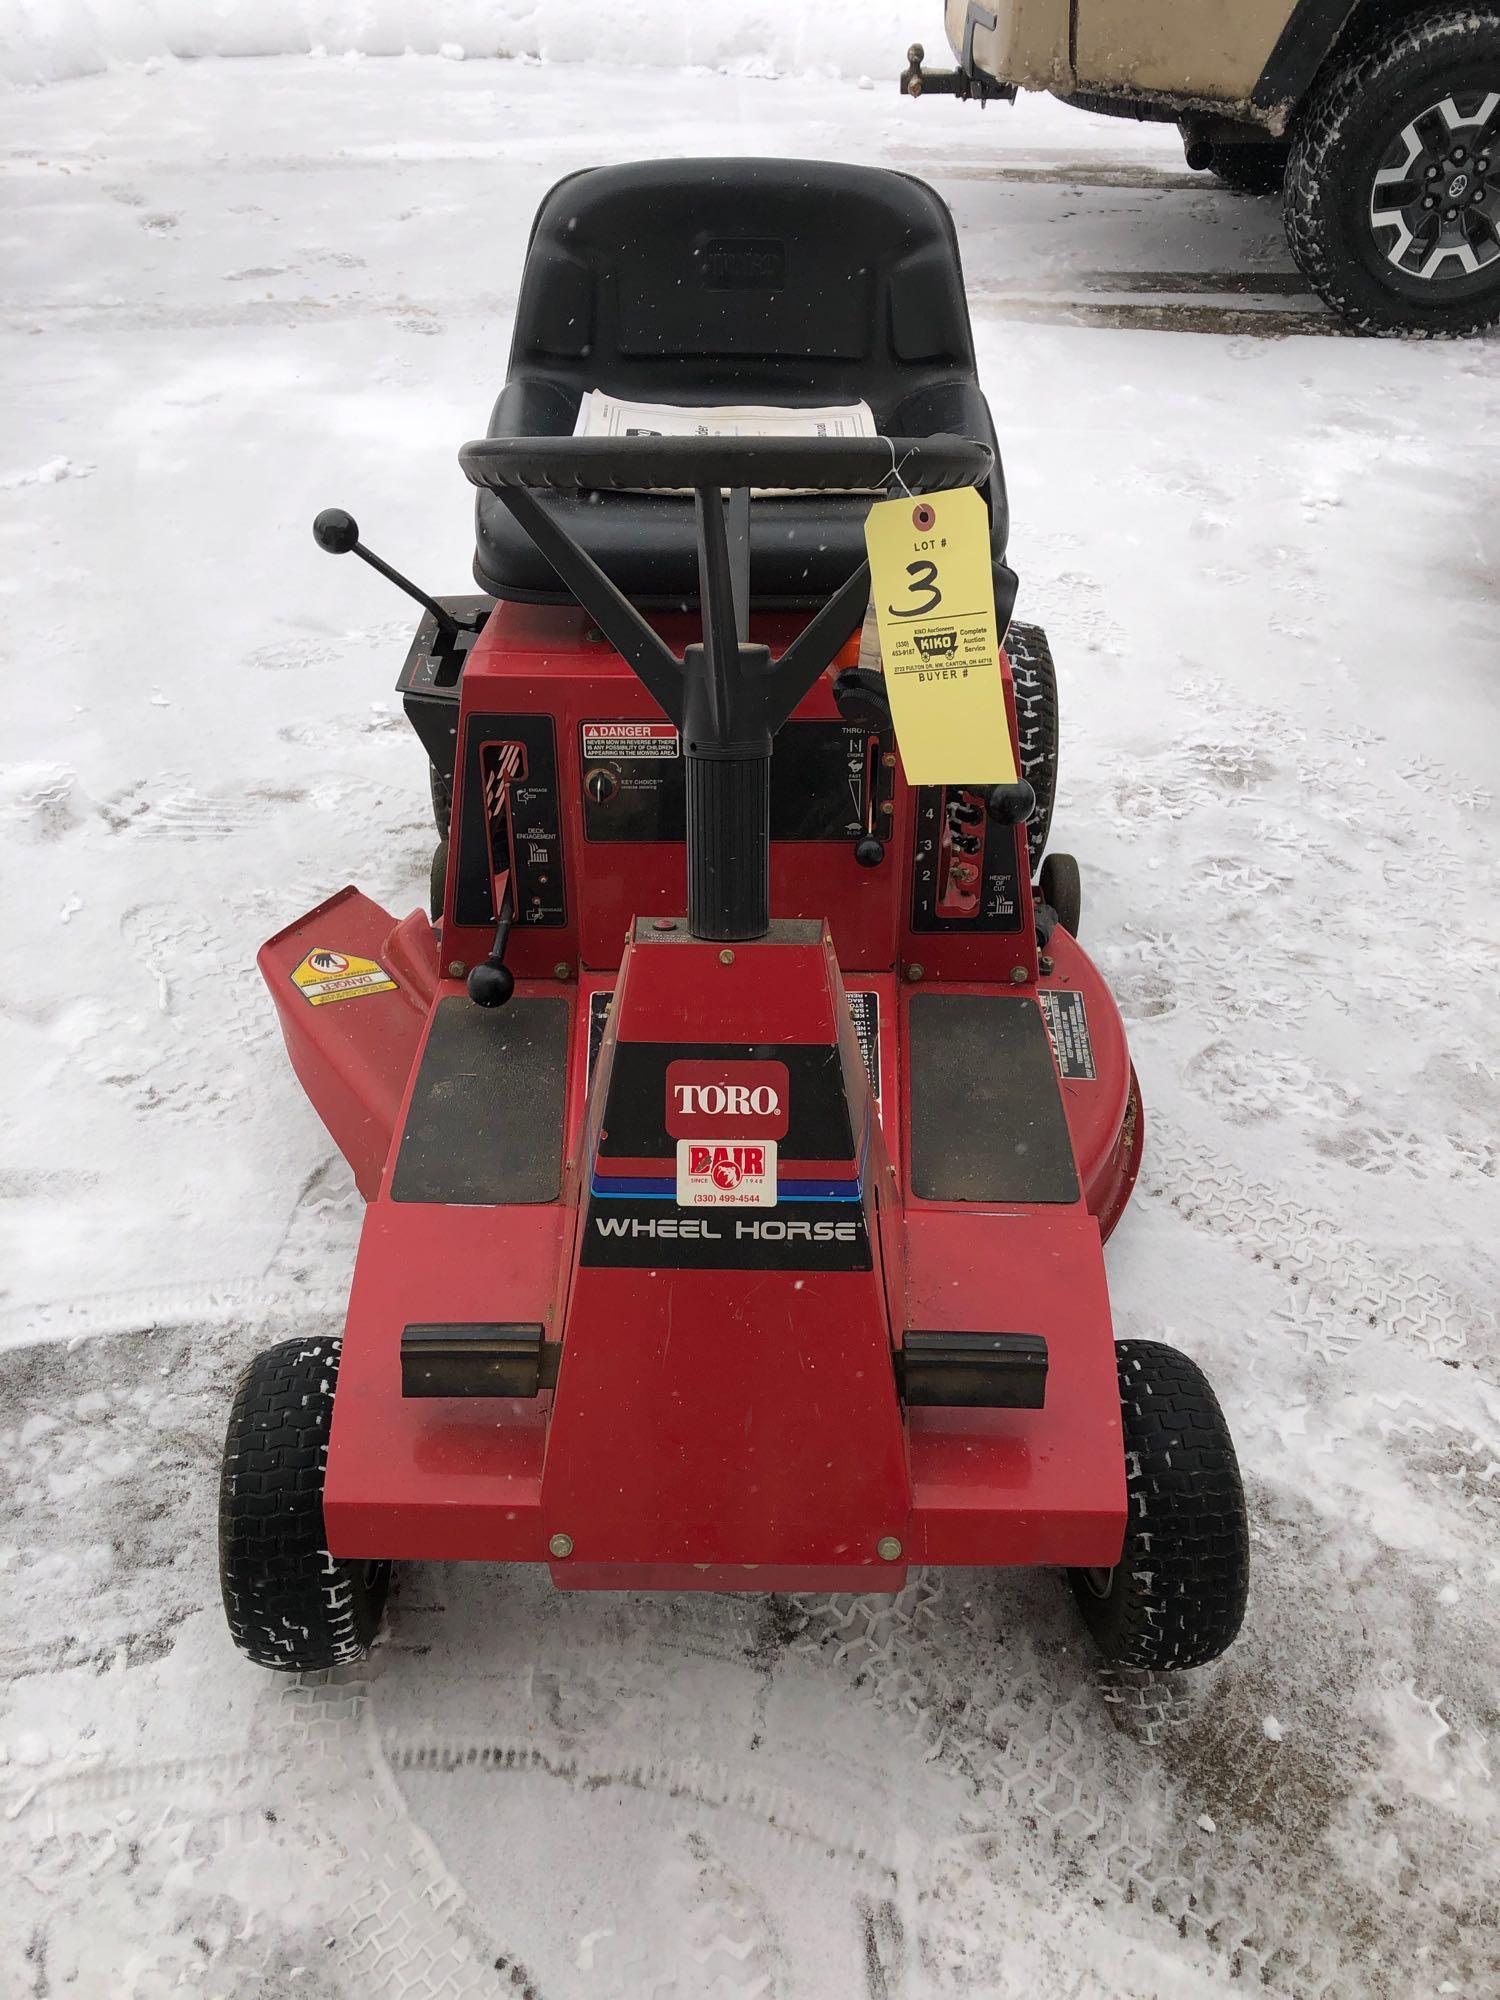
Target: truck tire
[(1176, 1597), (290, 1604), (1251, 168), (1393, 186), (1035, 680)]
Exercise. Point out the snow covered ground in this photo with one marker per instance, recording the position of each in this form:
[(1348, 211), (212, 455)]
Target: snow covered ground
[(234, 293)]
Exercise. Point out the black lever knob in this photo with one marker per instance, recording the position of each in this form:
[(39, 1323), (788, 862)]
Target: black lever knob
[(859, 696), (1008, 805), (868, 851), (335, 531), (490, 984)]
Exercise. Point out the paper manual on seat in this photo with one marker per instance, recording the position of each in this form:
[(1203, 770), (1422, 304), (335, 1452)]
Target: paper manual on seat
[(603, 415)]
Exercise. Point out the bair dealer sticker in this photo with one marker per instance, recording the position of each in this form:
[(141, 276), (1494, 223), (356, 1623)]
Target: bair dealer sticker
[(717, 1173), (325, 976)]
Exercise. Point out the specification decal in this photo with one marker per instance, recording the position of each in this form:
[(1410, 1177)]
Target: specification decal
[(325, 976), (1068, 1025), (865, 1008)]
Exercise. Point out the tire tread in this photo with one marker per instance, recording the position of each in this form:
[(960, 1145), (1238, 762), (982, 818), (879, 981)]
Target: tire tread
[(1313, 179), (1035, 680), (290, 1605), (1181, 1583)]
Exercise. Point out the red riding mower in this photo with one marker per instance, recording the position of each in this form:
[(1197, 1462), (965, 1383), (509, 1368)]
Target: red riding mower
[(741, 1134)]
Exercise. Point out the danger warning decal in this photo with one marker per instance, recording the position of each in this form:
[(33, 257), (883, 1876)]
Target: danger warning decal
[(629, 739), (325, 976)]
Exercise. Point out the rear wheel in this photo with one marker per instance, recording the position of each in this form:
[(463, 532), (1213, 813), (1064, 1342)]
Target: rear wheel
[(1035, 680), (1176, 1597), (437, 881), (442, 799), (290, 1604), (1393, 187), (1062, 890), (1251, 168)]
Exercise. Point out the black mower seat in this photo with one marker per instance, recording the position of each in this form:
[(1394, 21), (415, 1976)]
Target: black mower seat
[(732, 281)]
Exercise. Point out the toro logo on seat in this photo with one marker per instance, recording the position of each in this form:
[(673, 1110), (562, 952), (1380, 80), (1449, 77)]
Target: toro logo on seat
[(727, 1100)]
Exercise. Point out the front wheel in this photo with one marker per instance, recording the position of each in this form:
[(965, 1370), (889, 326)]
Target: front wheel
[(1176, 1597), (290, 1604), (1393, 186)]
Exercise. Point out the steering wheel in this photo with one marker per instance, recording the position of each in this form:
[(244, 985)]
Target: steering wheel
[(611, 465), (727, 696)]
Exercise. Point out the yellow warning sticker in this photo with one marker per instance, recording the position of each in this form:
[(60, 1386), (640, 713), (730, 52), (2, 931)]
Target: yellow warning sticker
[(935, 607), (326, 976)]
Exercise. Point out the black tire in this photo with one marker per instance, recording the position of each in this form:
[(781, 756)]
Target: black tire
[(1376, 140), (1252, 169), (1035, 680), (442, 800), (290, 1604), (437, 881), (1176, 1598), (1062, 888)]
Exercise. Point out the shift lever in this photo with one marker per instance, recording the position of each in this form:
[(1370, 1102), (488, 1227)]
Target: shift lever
[(492, 982), (338, 533)]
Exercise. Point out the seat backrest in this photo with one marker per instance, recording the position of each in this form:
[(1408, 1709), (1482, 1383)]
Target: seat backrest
[(777, 280)]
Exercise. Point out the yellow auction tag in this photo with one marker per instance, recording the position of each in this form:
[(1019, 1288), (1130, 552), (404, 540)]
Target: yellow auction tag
[(935, 606)]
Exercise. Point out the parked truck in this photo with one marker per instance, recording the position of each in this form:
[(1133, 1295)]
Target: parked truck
[(1376, 121)]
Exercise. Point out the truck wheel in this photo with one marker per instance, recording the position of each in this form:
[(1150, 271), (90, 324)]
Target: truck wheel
[(1251, 169), (1035, 680), (442, 799), (1177, 1595), (1062, 889), (290, 1604), (1393, 187)]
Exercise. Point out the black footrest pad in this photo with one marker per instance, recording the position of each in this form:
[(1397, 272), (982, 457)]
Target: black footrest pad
[(486, 1118), (987, 1118), (511, 1358), (987, 1371)]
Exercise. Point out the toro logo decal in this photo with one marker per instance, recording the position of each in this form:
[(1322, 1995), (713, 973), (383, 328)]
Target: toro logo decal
[(727, 1100), (726, 1118)]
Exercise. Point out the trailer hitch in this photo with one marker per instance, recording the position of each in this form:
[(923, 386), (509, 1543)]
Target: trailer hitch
[(968, 80)]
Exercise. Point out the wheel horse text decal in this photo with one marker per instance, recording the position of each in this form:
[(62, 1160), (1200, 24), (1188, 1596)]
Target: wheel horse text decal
[(726, 1158)]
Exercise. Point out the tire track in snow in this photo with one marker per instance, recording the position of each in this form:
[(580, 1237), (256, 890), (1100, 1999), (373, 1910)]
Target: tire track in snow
[(397, 1922), (1027, 1757), (170, 1309), (1309, 1249)]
